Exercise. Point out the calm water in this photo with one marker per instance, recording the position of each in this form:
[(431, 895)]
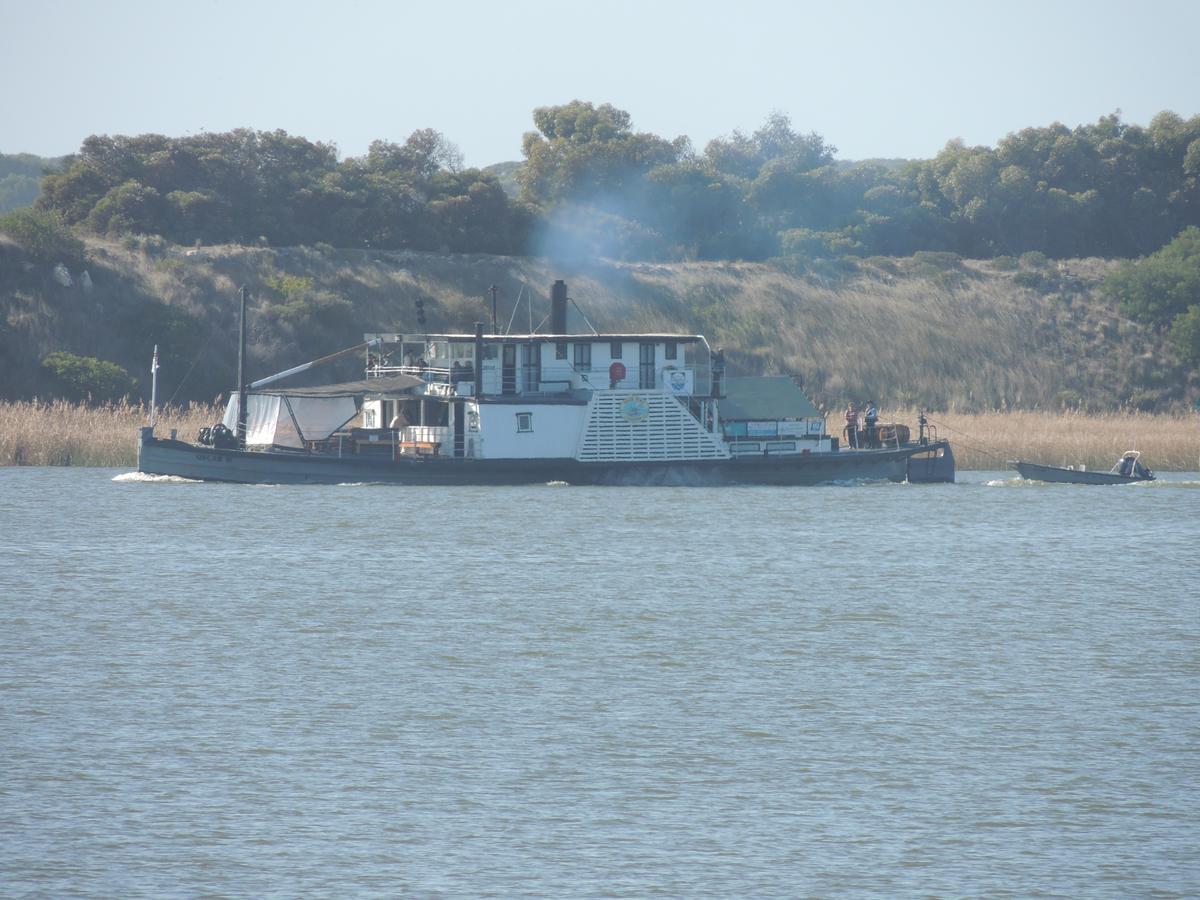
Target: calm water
[(988, 688)]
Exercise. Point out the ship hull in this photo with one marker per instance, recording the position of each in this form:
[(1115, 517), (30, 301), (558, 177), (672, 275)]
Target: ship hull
[(158, 456)]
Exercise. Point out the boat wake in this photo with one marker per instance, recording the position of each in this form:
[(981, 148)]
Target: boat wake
[(143, 478)]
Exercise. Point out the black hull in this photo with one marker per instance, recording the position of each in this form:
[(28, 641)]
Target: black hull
[(167, 457), (1061, 475)]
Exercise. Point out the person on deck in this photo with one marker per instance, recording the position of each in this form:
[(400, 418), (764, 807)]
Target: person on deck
[(1130, 466), (869, 419), (852, 425)]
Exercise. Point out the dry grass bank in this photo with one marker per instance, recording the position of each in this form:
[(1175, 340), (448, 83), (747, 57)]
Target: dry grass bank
[(952, 334), (66, 434), (973, 341), (75, 434), (987, 440)]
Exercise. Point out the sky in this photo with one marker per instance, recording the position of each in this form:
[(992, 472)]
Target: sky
[(874, 79)]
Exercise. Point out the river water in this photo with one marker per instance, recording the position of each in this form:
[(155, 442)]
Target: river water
[(988, 688)]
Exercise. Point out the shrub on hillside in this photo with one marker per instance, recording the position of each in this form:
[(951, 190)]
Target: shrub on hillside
[(1160, 287), (88, 378), (803, 243), (1035, 281), (1185, 335), (43, 236), (941, 267), (290, 287)]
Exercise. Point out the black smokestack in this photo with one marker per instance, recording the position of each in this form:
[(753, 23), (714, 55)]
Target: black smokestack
[(558, 307)]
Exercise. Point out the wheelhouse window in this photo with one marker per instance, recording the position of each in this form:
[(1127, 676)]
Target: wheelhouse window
[(616, 349), (670, 351), (524, 421), (560, 350), (583, 357)]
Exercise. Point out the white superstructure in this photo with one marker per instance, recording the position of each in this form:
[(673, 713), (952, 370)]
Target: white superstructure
[(590, 397)]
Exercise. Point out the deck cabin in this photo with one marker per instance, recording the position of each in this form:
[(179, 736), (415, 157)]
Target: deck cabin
[(767, 415), (535, 395)]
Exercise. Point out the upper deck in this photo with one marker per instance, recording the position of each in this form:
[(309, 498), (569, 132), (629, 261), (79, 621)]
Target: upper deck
[(557, 366)]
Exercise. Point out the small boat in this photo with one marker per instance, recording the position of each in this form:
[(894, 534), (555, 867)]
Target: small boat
[(1128, 470)]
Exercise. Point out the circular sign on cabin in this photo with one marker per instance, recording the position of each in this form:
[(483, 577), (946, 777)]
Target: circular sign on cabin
[(635, 409), (616, 372)]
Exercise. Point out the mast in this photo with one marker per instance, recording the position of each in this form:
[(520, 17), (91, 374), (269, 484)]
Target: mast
[(153, 386), (493, 309), (241, 376)]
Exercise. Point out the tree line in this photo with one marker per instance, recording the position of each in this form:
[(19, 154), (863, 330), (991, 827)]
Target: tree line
[(252, 187), (590, 184), (20, 179)]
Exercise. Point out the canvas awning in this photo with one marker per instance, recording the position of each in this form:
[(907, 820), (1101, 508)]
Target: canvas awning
[(287, 417), (278, 420)]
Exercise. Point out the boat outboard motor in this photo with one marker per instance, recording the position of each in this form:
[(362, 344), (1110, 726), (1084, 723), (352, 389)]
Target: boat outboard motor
[(223, 438), (217, 436)]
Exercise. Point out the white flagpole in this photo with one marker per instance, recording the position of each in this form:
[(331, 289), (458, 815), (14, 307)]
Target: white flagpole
[(153, 385)]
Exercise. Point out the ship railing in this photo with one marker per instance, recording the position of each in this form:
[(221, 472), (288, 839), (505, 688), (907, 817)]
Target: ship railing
[(432, 374)]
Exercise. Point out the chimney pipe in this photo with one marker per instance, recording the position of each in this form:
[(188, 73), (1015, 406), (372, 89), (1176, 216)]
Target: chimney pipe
[(558, 307), (478, 373)]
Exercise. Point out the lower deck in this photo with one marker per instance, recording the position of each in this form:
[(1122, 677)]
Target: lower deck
[(158, 456)]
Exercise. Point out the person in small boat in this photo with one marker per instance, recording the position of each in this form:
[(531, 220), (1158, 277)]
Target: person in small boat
[(852, 425), (1131, 467)]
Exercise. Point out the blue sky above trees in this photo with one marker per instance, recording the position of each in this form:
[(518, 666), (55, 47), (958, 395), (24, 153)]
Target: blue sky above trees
[(878, 79)]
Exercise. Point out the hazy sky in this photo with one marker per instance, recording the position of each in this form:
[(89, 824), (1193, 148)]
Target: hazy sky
[(876, 79)]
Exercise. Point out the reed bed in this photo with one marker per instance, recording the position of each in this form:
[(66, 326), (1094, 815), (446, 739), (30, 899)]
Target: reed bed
[(987, 440), (61, 433)]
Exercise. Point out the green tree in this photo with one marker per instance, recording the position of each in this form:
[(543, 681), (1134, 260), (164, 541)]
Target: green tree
[(21, 179), (1162, 286), (1185, 334), (88, 378), (588, 154), (744, 157)]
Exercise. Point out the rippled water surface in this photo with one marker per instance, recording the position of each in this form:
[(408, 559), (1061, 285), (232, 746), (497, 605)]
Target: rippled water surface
[(984, 688)]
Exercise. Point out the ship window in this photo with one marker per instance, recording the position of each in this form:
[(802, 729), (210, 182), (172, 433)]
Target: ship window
[(560, 350), (583, 357), (615, 350), (525, 421), (670, 350)]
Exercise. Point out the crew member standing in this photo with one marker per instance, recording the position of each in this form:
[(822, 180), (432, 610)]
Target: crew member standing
[(852, 425), (870, 418)]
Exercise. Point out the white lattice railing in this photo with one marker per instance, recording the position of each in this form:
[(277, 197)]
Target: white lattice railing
[(643, 425)]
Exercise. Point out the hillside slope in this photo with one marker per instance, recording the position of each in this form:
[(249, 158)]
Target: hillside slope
[(926, 330)]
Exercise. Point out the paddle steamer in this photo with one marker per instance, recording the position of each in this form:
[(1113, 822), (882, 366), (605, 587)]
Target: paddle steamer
[(562, 404)]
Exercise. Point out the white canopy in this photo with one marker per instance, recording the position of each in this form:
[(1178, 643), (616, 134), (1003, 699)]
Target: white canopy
[(288, 421)]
